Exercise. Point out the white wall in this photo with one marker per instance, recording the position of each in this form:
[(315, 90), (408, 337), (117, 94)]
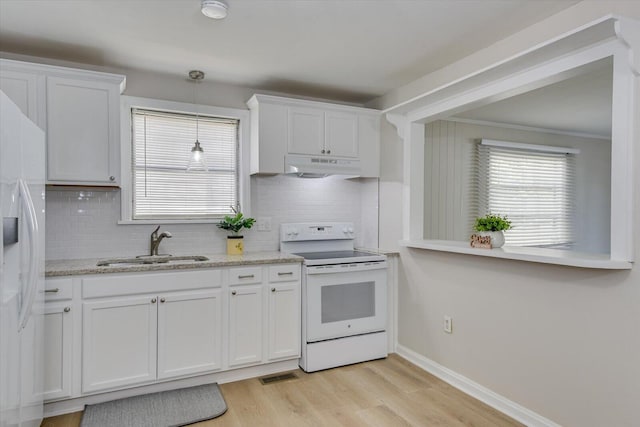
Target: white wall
[(561, 341), (83, 223), (450, 208)]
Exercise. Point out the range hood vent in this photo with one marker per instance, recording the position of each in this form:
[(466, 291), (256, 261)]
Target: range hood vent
[(319, 167)]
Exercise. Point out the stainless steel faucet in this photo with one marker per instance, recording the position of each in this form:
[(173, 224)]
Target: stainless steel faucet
[(156, 239)]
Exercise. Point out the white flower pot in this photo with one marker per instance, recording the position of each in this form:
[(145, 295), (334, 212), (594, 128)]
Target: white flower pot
[(497, 237)]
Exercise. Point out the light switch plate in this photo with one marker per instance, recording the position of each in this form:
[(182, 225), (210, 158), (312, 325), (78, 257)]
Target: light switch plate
[(264, 223)]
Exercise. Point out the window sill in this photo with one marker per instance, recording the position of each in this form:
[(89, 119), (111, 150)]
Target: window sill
[(540, 255), (167, 221)]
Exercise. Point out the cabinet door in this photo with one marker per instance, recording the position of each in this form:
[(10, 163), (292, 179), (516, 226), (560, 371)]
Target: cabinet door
[(118, 342), (369, 144), (189, 333), (82, 131), (284, 320), (21, 88), (341, 132), (58, 350), (306, 131), (245, 324)]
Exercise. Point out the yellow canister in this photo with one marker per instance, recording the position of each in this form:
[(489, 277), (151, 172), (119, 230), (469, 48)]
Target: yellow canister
[(235, 245)]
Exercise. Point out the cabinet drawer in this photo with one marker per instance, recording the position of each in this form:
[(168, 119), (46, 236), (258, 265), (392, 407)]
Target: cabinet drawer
[(284, 273), (58, 289), (245, 275)]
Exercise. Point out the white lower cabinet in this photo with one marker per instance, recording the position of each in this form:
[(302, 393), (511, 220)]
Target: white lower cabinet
[(284, 321), (60, 331), (58, 344), (138, 329), (118, 342), (136, 340), (245, 324), (189, 333)]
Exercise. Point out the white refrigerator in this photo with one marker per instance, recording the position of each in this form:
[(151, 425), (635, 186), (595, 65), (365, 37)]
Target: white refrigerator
[(22, 193)]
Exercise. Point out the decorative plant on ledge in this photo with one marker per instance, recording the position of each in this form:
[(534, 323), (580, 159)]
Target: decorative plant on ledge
[(492, 226), (235, 223), (492, 223)]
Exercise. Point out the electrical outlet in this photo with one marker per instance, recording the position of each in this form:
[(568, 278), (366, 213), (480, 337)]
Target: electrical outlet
[(448, 324), (264, 223)]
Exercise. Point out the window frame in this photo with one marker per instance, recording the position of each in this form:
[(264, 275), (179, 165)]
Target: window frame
[(524, 150), (126, 189)]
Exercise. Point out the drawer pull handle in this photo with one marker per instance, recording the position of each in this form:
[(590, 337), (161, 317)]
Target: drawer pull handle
[(233, 292), (246, 276), (153, 300), (67, 309), (287, 273), (273, 289), (52, 291)]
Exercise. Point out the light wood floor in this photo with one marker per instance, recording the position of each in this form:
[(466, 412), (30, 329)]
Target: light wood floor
[(385, 393)]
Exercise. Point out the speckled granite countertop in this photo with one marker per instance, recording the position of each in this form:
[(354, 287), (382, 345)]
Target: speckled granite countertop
[(75, 267)]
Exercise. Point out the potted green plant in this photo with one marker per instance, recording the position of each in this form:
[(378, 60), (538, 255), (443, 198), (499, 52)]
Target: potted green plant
[(494, 226), (235, 224)]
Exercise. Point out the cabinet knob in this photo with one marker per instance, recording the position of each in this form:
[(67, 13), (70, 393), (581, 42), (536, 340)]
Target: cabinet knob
[(112, 178), (322, 151), (233, 292), (153, 300), (67, 309), (162, 300), (328, 151), (273, 289)]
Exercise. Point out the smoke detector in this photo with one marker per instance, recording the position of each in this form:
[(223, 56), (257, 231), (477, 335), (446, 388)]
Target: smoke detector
[(215, 9)]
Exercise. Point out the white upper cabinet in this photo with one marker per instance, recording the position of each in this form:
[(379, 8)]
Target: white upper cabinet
[(22, 89), (281, 126), (306, 131), (341, 134), (82, 131), (79, 111)]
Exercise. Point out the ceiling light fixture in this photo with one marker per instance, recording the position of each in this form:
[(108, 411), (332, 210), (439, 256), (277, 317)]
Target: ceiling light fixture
[(196, 161), (215, 9)]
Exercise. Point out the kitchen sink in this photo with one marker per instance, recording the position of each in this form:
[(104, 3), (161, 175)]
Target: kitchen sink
[(155, 259)]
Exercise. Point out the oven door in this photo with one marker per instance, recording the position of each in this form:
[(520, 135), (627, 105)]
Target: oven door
[(345, 299)]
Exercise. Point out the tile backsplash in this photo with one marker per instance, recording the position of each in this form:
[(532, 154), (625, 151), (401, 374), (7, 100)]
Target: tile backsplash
[(83, 223)]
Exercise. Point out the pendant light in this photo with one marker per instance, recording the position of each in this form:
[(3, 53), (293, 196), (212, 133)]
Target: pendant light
[(197, 160)]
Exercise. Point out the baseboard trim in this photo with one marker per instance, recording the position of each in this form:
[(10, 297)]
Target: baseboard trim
[(483, 394), (61, 407)]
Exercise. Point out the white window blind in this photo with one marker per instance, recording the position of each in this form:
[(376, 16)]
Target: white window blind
[(534, 187), (162, 187)]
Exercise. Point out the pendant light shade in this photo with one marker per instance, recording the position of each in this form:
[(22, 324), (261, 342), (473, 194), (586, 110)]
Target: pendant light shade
[(197, 161)]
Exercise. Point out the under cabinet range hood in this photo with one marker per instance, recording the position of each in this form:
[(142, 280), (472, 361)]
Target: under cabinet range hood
[(319, 167)]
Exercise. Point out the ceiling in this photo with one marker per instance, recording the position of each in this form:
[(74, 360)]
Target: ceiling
[(346, 50), (579, 104)]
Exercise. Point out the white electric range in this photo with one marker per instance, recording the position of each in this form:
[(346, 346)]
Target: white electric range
[(344, 295)]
